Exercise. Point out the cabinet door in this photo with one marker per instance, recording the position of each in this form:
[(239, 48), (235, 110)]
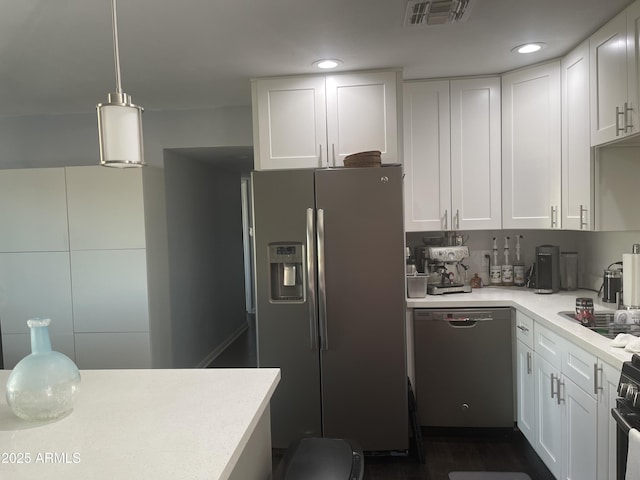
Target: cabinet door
[(608, 392), (580, 432), (106, 208), (526, 415), (289, 123), (109, 291), (427, 189), (549, 345), (475, 154), (112, 350), (33, 210), (577, 163), (531, 147), (549, 416), (608, 67), (581, 367), (633, 68), (35, 284), (524, 329), (361, 115)]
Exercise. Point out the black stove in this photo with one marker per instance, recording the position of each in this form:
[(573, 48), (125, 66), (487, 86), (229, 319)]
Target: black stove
[(627, 411)]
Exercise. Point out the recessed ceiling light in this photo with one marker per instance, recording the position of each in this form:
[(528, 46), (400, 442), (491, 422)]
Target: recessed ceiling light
[(529, 47), (327, 63)]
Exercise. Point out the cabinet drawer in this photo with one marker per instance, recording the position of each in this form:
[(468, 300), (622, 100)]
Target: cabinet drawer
[(524, 329), (580, 366), (548, 345)]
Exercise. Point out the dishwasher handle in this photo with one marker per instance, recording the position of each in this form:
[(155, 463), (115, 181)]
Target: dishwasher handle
[(465, 322)]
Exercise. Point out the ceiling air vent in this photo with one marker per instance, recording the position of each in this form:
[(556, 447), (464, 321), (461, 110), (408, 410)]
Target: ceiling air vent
[(436, 12)]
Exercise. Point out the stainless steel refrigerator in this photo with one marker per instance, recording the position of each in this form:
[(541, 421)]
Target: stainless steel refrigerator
[(330, 303)]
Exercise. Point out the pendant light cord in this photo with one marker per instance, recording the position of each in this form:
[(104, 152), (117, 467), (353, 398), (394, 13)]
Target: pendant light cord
[(116, 51)]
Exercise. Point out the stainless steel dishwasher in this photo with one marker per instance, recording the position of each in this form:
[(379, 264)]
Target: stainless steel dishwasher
[(464, 367)]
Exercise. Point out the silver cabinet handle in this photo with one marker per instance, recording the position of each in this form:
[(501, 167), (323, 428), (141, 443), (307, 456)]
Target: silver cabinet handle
[(553, 383), (583, 223), (554, 216), (628, 125), (457, 219), (320, 156), (560, 385), (597, 388), (333, 153), (311, 281), (618, 127), (529, 363), (322, 284), (446, 220), (522, 328)]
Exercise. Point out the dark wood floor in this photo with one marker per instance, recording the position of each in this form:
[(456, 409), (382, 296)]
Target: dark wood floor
[(446, 450)]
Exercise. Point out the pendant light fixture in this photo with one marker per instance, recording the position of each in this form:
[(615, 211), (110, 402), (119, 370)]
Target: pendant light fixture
[(119, 120)]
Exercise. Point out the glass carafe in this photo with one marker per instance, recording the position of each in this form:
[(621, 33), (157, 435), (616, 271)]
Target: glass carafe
[(44, 384)]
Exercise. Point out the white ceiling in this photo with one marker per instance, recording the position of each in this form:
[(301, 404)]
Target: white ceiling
[(56, 55)]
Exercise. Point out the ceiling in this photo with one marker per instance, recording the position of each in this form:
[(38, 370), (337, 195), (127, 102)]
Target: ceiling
[(56, 57)]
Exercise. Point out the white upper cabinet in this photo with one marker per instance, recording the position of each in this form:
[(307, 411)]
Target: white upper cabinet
[(452, 154), (577, 163), (33, 210), (614, 78), (290, 127), (427, 156), (315, 121), (475, 154), (361, 115), (531, 147)]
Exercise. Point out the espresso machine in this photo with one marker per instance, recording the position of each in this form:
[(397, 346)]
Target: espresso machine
[(447, 273)]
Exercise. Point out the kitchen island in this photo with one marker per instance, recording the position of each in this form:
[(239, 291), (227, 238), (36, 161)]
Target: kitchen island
[(149, 424)]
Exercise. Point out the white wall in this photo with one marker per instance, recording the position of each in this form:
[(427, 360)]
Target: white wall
[(69, 140), (204, 221)]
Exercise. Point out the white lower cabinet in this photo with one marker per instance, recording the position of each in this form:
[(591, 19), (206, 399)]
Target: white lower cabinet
[(549, 416), (579, 431), (526, 413), (566, 414), (607, 394)]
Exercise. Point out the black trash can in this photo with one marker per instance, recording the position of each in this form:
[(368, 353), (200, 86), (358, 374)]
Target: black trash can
[(321, 459)]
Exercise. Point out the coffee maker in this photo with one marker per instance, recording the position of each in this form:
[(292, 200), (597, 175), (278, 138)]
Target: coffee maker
[(547, 269), (447, 273)]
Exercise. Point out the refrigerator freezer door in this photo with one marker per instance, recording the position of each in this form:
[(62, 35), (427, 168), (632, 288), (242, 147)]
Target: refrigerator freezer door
[(364, 389), (287, 334)]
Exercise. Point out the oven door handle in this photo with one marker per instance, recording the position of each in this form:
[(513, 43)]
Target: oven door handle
[(622, 423)]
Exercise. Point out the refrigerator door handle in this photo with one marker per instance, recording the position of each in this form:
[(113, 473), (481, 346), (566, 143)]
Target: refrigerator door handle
[(322, 285), (311, 280)]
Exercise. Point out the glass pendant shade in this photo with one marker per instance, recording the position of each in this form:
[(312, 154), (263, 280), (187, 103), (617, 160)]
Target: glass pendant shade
[(119, 120), (120, 132)]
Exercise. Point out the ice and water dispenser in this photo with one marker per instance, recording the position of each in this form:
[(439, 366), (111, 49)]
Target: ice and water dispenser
[(287, 275)]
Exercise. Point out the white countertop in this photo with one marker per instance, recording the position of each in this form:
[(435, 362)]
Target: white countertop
[(543, 308), (141, 424)]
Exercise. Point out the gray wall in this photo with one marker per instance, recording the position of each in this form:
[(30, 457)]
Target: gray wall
[(204, 221), (69, 140)]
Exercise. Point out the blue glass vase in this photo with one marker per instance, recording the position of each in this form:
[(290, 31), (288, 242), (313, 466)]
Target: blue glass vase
[(44, 384)]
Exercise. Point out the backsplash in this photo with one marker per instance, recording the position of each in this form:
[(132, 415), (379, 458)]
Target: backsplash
[(596, 250), (602, 249)]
